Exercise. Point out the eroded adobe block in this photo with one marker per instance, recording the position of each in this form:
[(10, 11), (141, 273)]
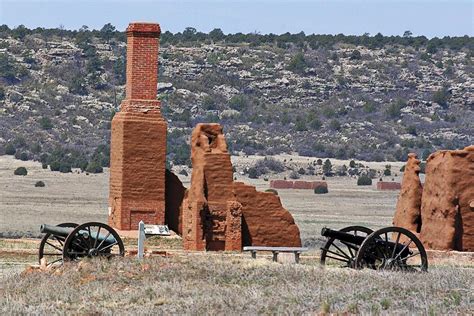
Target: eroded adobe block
[(220, 214), (408, 211), (447, 214)]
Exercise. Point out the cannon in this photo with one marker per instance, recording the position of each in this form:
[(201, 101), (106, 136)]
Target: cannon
[(389, 248), (71, 242)]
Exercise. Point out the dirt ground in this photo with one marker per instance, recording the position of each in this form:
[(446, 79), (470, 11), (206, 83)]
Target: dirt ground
[(78, 197)]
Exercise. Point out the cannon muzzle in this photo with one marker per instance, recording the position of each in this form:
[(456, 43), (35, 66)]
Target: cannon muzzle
[(56, 230), (342, 236)]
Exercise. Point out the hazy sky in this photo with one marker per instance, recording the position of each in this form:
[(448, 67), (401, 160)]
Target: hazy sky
[(429, 18)]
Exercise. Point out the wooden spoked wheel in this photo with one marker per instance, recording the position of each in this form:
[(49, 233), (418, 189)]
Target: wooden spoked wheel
[(394, 249), (51, 247), (342, 253), (92, 240)]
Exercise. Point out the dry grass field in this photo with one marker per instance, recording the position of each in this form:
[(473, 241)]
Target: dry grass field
[(210, 283)]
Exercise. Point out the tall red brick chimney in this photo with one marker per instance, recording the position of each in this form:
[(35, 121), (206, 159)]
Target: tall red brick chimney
[(138, 141)]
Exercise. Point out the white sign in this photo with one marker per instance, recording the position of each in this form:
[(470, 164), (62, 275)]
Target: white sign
[(161, 230)]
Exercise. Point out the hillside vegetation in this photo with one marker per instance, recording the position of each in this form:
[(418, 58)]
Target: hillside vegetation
[(363, 97)]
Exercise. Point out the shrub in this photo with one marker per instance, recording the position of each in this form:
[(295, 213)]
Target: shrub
[(387, 172), (321, 190), (93, 167), (44, 166), (10, 149), (253, 174), (352, 164), (297, 63), (327, 167), (20, 171), (294, 175), (355, 55), (65, 167), (54, 166), (45, 123), (301, 171), (272, 191), (40, 184), (364, 180), (319, 162), (23, 156)]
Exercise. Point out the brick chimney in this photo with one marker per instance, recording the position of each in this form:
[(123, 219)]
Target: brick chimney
[(138, 140)]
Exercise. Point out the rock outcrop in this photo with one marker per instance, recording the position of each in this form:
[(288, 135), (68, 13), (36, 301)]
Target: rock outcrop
[(220, 214), (388, 186), (446, 202), (408, 212)]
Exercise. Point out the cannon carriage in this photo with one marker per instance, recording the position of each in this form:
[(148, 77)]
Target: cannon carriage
[(71, 242), (389, 248)]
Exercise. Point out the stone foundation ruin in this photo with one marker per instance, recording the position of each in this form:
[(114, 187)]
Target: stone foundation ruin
[(441, 212), (215, 213)]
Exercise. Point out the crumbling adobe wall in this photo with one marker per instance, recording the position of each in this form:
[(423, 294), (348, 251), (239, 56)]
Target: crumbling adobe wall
[(138, 140), (408, 211), (447, 215), (265, 221), (211, 214), (219, 214), (447, 200)]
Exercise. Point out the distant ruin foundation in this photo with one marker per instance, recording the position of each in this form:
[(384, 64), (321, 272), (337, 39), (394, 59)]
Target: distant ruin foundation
[(138, 140)]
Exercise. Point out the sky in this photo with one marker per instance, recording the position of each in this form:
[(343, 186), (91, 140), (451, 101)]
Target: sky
[(429, 18)]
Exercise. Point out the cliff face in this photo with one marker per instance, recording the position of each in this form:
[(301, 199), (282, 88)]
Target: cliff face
[(447, 200)]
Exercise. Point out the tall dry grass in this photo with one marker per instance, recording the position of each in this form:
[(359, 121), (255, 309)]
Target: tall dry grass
[(219, 284)]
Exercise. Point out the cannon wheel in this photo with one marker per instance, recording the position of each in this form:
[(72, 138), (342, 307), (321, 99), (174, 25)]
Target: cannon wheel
[(343, 252), (377, 253), (82, 242), (52, 246)]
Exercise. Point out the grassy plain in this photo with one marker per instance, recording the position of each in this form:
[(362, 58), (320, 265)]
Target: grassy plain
[(212, 283)]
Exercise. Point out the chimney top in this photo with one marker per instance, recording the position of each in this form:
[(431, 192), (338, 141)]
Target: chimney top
[(144, 29)]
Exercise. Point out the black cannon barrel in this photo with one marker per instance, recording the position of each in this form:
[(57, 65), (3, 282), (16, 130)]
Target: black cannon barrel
[(65, 231), (55, 230), (342, 236)]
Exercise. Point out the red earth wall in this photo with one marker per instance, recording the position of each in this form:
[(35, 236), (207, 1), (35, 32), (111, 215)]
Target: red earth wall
[(445, 220)]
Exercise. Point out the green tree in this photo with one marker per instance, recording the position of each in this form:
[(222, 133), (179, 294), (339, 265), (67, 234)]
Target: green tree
[(356, 55), (441, 97), (327, 167), (10, 149), (387, 172), (45, 123), (107, 32), (216, 35), (298, 63)]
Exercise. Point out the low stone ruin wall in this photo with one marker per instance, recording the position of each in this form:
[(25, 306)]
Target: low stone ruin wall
[(389, 186), (300, 185)]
